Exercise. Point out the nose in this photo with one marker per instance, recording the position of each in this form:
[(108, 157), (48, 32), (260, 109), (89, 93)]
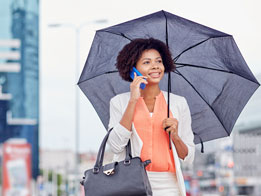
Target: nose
[(155, 66)]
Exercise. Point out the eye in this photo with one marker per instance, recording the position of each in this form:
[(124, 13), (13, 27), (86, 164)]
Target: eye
[(146, 62), (159, 61)]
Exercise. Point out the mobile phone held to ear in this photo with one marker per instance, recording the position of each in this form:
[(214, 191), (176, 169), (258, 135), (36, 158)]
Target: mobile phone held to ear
[(142, 85)]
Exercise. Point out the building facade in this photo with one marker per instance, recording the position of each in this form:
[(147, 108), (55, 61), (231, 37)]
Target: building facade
[(247, 148), (19, 73), (247, 171)]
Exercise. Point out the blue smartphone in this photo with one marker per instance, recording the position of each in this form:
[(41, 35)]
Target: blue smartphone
[(142, 85)]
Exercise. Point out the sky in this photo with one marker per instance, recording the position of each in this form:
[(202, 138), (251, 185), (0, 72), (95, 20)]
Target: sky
[(58, 54)]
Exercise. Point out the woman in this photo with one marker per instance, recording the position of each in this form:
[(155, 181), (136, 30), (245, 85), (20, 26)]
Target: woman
[(141, 116)]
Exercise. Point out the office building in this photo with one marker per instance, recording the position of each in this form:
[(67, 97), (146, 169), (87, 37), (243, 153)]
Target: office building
[(19, 73)]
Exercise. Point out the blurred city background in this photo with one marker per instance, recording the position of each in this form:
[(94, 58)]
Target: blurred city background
[(50, 133)]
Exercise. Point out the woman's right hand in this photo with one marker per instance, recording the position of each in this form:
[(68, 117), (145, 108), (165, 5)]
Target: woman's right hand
[(135, 89)]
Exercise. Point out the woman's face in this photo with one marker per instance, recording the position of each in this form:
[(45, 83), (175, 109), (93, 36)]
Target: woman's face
[(151, 65)]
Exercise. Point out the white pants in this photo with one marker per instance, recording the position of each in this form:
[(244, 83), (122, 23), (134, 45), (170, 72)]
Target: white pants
[(163, 183)]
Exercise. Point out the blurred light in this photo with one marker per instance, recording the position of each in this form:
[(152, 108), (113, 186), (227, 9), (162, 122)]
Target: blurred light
[(241, 181), (230, 164), (221, 189), (200, 173)]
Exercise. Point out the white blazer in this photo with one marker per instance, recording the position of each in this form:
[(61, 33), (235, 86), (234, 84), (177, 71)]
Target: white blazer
[(120, 136)]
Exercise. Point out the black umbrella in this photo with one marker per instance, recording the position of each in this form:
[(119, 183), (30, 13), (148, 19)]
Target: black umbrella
[(211, 72)]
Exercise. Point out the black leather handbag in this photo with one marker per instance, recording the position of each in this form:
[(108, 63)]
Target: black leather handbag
[(124, 178)]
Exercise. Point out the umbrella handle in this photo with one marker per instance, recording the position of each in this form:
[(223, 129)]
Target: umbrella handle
[(169, 142), (169, 90), (169, 137)]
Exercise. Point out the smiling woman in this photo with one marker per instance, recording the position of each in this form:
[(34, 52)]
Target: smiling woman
[(141, 117)]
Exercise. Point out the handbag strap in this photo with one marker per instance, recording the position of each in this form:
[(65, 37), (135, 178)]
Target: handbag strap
[(128, 151), (100, 156), (101, 150)]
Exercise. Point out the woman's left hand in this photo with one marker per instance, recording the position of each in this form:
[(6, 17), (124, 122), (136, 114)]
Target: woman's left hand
[(173, 124)]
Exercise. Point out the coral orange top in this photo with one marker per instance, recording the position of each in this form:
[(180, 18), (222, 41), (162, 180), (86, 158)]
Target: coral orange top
[(154, 137)]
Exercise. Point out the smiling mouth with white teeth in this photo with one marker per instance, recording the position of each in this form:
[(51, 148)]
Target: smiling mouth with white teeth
[(155, 75)]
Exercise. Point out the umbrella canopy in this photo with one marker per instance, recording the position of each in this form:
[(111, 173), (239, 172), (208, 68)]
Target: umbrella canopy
[(211, 72)]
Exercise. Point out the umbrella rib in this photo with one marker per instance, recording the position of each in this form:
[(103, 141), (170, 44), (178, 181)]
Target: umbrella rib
[(176, 58), (108, 72), (198, 66), (121, 34), (176, 71), (213, 69), (167, 36)]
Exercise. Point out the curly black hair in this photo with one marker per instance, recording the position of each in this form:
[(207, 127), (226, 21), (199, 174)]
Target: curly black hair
[(131, 53)]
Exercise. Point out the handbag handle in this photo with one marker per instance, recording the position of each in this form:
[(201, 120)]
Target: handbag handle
[(100, 156)]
